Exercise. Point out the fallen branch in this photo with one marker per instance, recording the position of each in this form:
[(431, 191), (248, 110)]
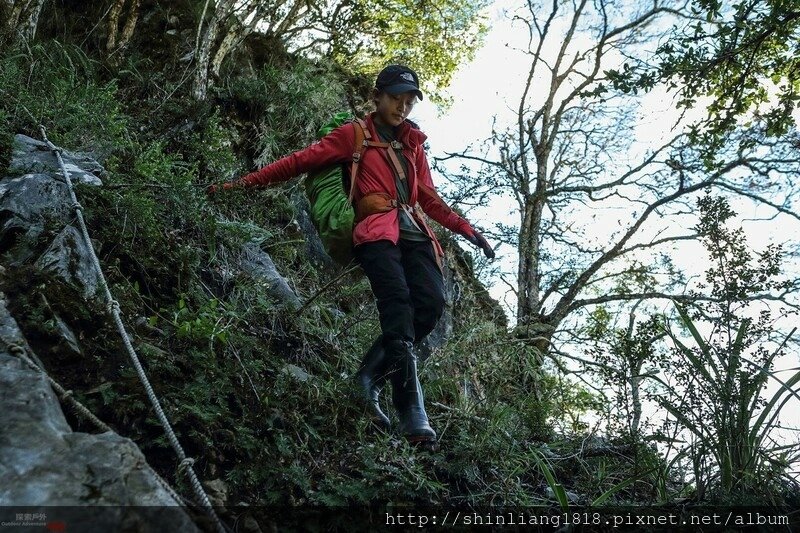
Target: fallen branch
[(324, 288)]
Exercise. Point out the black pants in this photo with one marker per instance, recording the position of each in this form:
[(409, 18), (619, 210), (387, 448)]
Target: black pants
[(408, 285)]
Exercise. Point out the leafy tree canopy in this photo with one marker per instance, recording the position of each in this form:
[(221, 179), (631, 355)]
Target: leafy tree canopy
[(745, 55), (431, 36)]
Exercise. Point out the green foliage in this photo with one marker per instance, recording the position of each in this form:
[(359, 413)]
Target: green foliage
[(714, 385), (150, 217), (506, 377), (571, 405), (238, 233), (204, 325), (733, 57), (556, 487), (60, 87), (732, 275), (287, 105), (623, 357), (433, 38), (637, 277), (720, 403), (212, 149)]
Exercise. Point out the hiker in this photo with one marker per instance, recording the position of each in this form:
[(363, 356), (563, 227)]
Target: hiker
[(391, 240)]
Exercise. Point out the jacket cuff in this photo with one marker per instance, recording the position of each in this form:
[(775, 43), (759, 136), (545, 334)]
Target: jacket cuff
[(247, 180), (465, 229)]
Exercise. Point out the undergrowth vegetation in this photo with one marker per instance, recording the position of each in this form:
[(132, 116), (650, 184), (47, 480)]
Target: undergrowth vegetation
[(57, 85), (259, 395)]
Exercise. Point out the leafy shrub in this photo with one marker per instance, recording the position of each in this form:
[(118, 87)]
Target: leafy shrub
[(288, 105), (150, 218), (204, 325), (211, 148), (61, 89), (715, 384)]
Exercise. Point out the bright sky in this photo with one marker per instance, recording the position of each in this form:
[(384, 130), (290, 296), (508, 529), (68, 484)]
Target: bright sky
[(490, 86)]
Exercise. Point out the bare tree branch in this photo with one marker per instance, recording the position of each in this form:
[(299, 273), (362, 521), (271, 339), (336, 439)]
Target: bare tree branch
[(653, 295), (571, 146)]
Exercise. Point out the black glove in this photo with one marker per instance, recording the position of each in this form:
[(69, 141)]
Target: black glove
[(478, 240)]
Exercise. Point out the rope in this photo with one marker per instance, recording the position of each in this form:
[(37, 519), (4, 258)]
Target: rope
[(64, 395), (78, 407), (114, 310)]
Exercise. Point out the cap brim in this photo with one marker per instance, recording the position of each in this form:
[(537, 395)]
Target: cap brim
[(403, 88)]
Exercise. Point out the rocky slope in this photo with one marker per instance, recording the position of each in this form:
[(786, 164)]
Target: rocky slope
[(49, 470), (45, 462)]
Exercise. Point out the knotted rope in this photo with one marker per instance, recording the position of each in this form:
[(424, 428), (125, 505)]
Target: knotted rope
[(113, 309)]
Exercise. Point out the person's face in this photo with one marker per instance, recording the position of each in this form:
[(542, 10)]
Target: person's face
[(392, 109)]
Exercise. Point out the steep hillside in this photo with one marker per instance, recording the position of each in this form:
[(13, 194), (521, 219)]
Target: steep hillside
[(248, 333)]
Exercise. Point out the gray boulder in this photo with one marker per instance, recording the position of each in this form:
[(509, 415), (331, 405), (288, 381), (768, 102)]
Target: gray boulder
[(90, 482), (29, 205), (31, 156), (37, 204), (444, 327), (69, 258), (10, 334), (258, 264), (314, 247)]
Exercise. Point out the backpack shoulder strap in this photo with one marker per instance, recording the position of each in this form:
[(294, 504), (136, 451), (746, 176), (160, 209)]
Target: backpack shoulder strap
[(362, 137), (363, 140)]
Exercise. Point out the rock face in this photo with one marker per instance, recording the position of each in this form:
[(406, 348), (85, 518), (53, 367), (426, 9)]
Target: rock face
[(45, 463), (42, 461), (69, 259), (28, 205), (31, 156), (314, 247), (37, 203), (257, 263), (460, 289)]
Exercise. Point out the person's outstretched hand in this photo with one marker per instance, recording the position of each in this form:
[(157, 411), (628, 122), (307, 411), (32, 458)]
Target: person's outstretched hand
[(478, 240), (214, 188)]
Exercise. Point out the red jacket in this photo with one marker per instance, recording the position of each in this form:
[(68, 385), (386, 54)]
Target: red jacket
[(374, 176)]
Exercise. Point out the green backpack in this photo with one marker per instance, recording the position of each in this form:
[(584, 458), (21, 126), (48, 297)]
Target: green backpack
[(330, 193)]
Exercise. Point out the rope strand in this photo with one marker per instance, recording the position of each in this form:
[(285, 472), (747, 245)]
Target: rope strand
[(113, 309), (64, 395)]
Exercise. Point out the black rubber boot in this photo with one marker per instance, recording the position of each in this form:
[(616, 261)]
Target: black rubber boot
[(407, 393), (371, 377)]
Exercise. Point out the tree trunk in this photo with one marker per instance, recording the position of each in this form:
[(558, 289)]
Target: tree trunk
[(30, 22), (635, 381), (531, 323), (113, 24), (234, 36), (203, 58), (116, 40), (23, 19), (528, 263), (208, 49), (211, 51)]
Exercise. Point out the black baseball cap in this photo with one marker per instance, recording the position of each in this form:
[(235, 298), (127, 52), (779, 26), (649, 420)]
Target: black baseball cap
[(396, 79)]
